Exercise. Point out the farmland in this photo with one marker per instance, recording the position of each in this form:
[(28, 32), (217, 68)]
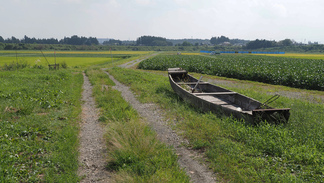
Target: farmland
[(71, 58), (299, 73), (297, 55), (40, 114)]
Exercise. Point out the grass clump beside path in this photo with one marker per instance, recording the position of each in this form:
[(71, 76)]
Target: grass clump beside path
[(135, 154), (38, 125), (238, 152)]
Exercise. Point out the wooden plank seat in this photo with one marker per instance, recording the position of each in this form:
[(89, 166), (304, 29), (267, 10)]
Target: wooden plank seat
[(216, 93), (191, 83)]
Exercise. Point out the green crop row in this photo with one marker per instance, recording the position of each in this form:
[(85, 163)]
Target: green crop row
[(298, 73)]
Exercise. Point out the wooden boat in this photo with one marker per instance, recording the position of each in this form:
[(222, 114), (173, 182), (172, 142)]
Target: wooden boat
[(209, 97)]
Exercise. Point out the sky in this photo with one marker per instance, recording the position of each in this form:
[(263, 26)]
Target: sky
[(300, 20)]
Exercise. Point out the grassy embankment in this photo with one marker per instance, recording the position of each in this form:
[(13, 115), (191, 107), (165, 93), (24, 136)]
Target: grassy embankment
[(135, 154), (39, 112), (238, 152)]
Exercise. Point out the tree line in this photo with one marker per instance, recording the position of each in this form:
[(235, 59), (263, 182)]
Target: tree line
[(256, 44), (152, 41), (73, 40), (268, 44)]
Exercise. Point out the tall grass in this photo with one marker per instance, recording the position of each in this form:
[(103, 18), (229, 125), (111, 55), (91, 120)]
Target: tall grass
[(134, 153), (238, 152)]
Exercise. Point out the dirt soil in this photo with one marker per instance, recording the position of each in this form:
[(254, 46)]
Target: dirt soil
[(92, 148), (188, 159)]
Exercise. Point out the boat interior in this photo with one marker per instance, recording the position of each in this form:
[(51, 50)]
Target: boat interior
[(215, 94)]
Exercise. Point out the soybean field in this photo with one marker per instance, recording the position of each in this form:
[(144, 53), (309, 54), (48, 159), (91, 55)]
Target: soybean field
[(293, 72)]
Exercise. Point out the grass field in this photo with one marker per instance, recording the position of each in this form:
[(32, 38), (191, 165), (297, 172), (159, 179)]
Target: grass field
[(71, 58), (39, 110), (135, 154), (236, 151), (76, 52), (39, 120)]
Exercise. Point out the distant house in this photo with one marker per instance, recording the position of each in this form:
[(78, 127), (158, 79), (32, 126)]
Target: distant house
[(225, 44)]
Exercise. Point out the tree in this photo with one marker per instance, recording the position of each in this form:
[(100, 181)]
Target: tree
[(260, 44), (219, 40), (152, 41), (112, 42), (76, 40), (186, 43), (1, 39), (286, 42)]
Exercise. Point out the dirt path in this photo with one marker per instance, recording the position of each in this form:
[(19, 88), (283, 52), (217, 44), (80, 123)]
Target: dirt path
[(154, 116), (92, 146), (134, 62)]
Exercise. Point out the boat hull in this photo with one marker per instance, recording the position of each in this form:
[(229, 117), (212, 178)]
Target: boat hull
[(221, 101)]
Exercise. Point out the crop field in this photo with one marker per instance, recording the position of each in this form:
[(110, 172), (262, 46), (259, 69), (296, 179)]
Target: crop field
[(299, 73), (297, 55), (71, 58), (78, 52)]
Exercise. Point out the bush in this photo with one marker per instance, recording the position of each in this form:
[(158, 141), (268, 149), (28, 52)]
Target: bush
[(64, 65), (15, 66)]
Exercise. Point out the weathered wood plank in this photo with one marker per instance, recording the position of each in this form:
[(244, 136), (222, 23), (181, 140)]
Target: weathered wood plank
[(216, 93)]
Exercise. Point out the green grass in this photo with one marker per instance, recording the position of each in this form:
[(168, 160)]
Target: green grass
[(39, 114), (134, 153), (238, 152), (39, 110), (70, 61), (71, 58)]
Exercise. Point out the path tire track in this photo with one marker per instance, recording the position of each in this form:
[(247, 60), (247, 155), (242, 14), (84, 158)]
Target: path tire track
[(92, 148), (154, 117)]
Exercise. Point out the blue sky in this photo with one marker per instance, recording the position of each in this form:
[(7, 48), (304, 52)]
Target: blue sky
[(301, 20)]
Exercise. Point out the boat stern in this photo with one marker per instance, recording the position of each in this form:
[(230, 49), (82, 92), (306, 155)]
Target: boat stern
[(275, 116)]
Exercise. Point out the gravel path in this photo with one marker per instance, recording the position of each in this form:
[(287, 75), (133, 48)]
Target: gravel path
[(187, 158), (134, 62), (92, 146)]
